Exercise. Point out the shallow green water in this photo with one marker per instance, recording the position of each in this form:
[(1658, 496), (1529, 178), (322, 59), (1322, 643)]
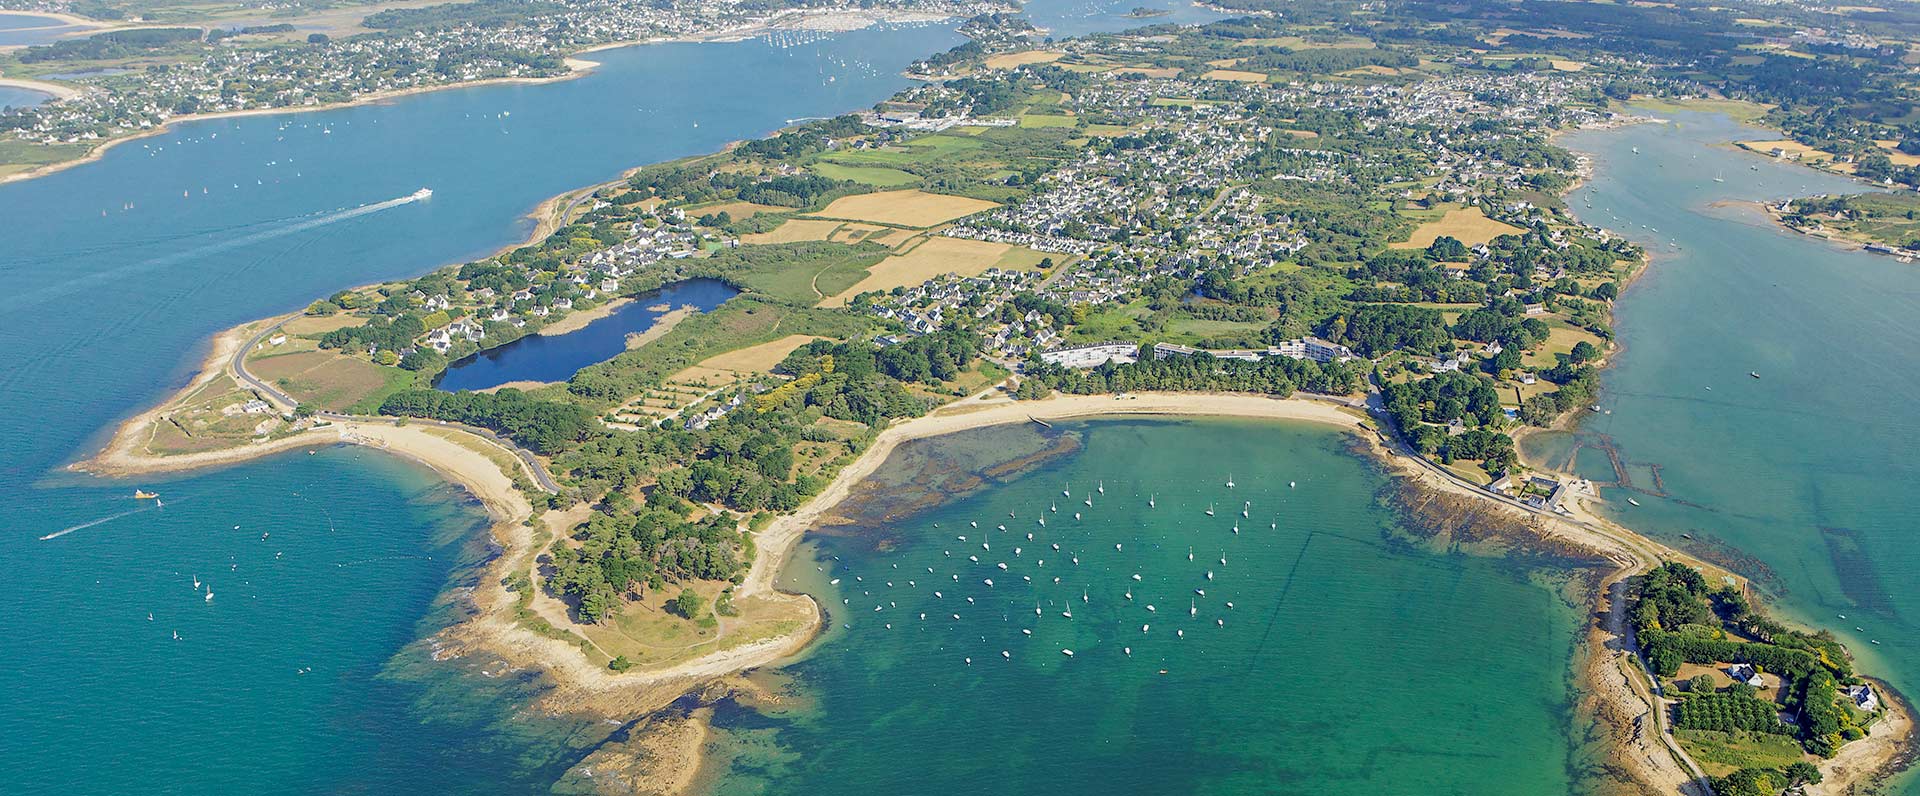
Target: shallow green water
[(1346, 664)]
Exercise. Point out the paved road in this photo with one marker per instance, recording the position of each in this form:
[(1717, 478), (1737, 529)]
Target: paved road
[(238, 365), (1649, 686)]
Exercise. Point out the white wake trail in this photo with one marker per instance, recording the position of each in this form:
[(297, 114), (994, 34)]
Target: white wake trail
[(85, 525), (103, 520), (33, 297)]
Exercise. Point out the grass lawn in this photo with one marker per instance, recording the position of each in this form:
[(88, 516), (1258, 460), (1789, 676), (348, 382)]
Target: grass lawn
[(803, 273), (329, 380), (944, 144), (1181, 330), (1112, 323), (794, 230), (1739, 110), (1021, 258), (1560, 342), (1048, 120), (648, 635), (879, 176), (1722, 753), (18, 156)]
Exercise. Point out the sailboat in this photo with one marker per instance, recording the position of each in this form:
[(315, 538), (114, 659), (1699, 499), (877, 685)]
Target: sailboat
[(1150, 503)]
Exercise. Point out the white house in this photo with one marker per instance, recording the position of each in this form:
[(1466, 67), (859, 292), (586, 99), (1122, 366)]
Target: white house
[(1092, 356), (1863, 697), (1745, 673)]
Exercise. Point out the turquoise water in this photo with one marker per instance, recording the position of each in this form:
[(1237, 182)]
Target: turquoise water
[(107, 313), (1808, 470), (1340, 666), (117, 271), (557, 357), (301, 674)]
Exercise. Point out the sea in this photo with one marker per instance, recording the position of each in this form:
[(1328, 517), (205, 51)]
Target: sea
[(1801, 478), (20, 29), (1373, 663), (1158, 606)]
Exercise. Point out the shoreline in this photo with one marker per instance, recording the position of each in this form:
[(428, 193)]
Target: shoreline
[(577, 67), (575, 321), (100, 152), (1611, 673), (1608, 673), (59, 91), (71, 19)]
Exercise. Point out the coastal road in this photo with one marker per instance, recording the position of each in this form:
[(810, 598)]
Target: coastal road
[(237, 365), (1642, 556)]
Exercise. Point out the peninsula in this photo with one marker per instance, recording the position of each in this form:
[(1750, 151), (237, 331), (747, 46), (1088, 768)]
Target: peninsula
[(1253, 218), (135, 76)]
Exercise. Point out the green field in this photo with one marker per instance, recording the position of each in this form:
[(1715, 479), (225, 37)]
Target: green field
[(17, 156), (1722, 753), (880, 176), (1048, 120), (1021, 258), (793, 272), (741, 322)]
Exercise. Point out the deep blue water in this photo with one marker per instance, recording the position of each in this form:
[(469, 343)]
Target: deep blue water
[(306, 673), (557, 357)]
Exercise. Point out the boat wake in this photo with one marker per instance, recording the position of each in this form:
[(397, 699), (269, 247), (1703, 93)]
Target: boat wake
[(85, 525), (102, 521), (97, 278)]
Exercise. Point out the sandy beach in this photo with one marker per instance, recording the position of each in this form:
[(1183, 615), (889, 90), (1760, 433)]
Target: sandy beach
[(1616, 690), (58, 90), (660, 327), (832, 20), (578, 319), (580, 68)]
